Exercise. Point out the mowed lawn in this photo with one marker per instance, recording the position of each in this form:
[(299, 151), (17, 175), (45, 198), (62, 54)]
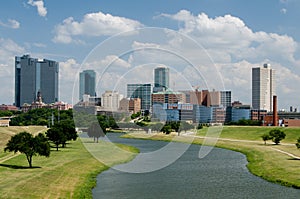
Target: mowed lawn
[(67, 173), (264, 160)]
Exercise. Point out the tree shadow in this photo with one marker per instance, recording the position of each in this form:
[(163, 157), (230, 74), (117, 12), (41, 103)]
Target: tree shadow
[(294, 159), (18, 166)]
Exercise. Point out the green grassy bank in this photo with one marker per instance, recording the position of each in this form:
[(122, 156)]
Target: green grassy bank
[(68, 173), (263, 160)]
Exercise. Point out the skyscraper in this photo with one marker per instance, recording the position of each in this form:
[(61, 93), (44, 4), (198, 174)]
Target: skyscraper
[(87, 83), (142, 91), (263, 87), (161, 79), (32, 76), (226, 98)]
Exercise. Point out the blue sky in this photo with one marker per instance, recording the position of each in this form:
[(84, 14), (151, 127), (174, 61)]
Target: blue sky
[(236, 34)]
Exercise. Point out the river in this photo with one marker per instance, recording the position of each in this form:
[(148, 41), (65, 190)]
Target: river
[(221, 174)]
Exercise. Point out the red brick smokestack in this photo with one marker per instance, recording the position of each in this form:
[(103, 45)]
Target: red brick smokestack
[(275, 114)]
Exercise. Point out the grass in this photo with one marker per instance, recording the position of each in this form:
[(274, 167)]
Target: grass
[(263, 160), (68, 173)]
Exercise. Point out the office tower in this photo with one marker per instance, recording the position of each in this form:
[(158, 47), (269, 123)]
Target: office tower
[(225, 98), (111, 100), (161, 79), (142, 91), (263, 87), (87, 83), (34, 75)]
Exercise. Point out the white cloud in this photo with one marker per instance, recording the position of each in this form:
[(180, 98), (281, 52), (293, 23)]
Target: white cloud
[(283, 10), (8, 50), (230, 35), (42, 10), (11, 23), (93, 24)]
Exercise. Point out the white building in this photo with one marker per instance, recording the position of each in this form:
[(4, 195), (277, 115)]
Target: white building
[(263, 87), (111, 100)]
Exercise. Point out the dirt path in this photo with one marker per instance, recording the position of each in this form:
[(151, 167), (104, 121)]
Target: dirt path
[(248, 141), (9, 157)]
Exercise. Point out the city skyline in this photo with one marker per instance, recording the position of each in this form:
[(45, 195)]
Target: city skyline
[(237, 36)]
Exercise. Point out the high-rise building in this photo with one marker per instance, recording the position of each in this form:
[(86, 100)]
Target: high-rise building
[(142, 91), (34, 75), (225, 98), (161, 79), (87, 83), (111, 100), (263, 87)]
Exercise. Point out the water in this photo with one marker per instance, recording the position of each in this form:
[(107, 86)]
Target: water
[(221, 174)]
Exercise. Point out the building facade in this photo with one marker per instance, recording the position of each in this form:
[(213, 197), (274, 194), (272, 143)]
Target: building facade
[(111, 100), (87, 83), (142, 91), (225, 98), (168, 97), (161, 79), (263, 87), (32, 76)]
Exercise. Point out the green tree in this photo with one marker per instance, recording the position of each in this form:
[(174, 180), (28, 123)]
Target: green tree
[(298, 143), (166, 129), (62, 132), (55, 135), (95, 131), (277, 135), (265, 137), (24, 142), (186, 126), (68, 129)]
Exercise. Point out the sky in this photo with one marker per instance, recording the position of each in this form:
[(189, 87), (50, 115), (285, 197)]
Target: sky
[(210, 44)]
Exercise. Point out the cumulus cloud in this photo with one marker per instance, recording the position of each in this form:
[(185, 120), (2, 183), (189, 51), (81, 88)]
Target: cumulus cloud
[(283, 10), (11, 23), (230, 35), (93, 24), (42, 10), (8, 50)]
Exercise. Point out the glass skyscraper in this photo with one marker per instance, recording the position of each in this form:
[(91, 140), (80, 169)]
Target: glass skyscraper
[(87, 83), (32, 76), (161, 79), (142, 91)]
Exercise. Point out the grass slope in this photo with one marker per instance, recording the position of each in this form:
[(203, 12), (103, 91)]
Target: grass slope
[(68, 173), (264, 160)]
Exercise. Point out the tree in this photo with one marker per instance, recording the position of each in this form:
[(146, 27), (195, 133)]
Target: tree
[(62, 132), (166, 129), (186, 126), (24, 142), (265, 137), (276, 135), (298, 143), (56, 135), (95, 131), (68, 129)]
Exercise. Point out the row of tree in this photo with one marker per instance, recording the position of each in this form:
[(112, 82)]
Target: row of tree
[(24, 142), (41, 116)]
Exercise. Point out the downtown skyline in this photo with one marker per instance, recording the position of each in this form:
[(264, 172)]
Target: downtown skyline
[(237, 36)]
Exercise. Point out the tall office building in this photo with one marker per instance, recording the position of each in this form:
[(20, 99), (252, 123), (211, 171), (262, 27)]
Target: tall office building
[(263, 87), (161, 79), (142, 91), (87, 83), (34, 75), (225, 98), (111, 100)]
